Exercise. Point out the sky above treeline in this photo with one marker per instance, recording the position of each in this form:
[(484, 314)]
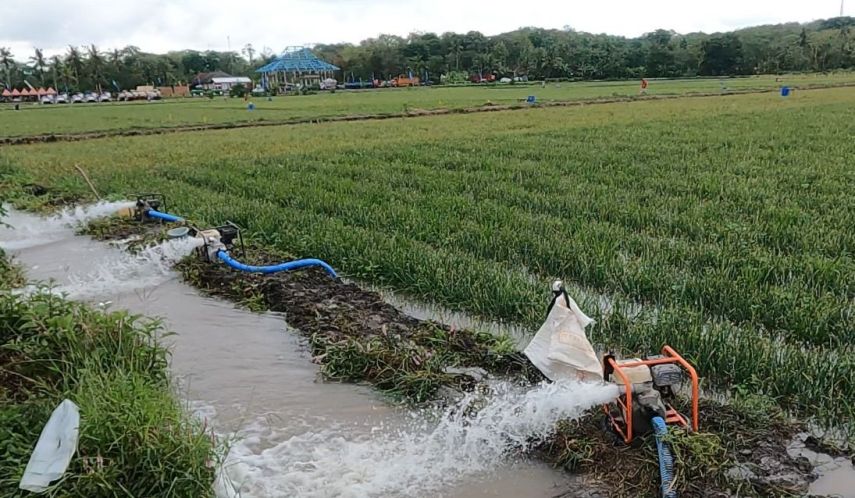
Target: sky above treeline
[(163, 25)]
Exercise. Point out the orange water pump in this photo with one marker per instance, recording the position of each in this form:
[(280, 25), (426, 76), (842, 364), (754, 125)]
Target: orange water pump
[(646, 386)]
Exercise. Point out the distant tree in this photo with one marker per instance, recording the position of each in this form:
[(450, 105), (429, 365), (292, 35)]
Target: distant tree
[(500, 54), (536, 52), (721, 55), (249, 52), (73, 66), (660, 55), (68, 76), (454, 48), (8, 63), (238, 90), (39, 64), (267, 54), (95, 67)]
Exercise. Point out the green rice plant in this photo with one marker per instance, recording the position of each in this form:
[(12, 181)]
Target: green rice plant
[(720, 226), (172, 113)]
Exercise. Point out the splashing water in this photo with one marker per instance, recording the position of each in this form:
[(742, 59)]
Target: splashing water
[(123, 272), (26, 230), (421, 458)]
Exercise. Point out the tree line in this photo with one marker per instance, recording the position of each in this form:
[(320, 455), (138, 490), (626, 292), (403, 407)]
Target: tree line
[(534, 52)]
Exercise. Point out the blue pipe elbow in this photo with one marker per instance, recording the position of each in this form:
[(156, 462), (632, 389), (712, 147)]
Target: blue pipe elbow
[(666, 460), (290, 265), (151, 213)]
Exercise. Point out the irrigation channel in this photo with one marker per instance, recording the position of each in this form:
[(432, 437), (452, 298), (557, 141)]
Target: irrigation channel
[(253, 380)]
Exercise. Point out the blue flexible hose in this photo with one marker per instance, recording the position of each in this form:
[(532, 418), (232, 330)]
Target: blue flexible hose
[(151, 213), (290, 265), (666, 460)]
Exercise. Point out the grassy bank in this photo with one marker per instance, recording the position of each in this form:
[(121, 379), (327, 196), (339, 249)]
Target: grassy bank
[(60, 119), (726, 219), (135, 438)]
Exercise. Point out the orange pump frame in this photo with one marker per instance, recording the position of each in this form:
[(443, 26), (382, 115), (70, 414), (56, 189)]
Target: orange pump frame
[(624, 401)]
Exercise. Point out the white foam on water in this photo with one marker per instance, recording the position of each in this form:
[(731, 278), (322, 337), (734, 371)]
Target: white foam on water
[(23, 230), (472, 438), (124, 272)]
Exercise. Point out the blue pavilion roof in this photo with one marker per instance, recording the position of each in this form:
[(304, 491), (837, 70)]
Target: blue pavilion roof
[(302, 60)]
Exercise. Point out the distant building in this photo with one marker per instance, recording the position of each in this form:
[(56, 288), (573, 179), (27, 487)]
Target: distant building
[(219, 81), (297, 66)]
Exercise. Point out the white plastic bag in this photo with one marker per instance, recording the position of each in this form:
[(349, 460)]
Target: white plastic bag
[(560, 349), (54, 449)]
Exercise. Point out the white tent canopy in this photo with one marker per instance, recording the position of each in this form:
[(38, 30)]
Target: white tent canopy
[(232, 80)]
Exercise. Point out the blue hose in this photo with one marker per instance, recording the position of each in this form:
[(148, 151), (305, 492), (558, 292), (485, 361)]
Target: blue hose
[(666, 460), (290, 265), (151, 213)]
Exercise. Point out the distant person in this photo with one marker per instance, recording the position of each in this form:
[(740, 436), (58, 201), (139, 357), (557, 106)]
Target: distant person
[(643, 86)]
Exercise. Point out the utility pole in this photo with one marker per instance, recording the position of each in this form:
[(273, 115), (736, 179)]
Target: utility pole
[(841, 7)]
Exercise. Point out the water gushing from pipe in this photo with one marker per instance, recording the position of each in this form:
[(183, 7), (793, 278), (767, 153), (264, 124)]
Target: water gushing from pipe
[(419, 459), (24, 230)]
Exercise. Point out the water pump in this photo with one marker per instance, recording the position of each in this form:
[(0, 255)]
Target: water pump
[(218, 242), (146, 203), (227, 237)]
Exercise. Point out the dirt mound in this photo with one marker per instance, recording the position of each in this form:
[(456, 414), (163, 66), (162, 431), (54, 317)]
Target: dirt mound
[(357, 336)]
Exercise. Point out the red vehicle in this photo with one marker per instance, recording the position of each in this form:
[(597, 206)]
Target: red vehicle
[(482, 78)]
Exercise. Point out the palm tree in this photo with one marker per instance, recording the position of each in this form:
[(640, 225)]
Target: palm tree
[(39, 65), (95, 65), (114, 62), (7, 62), (56, 67), (73, 65), (68, 75), (455, 50)]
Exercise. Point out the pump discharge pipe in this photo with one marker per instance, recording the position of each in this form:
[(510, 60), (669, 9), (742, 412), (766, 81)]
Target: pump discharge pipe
[(217, 250), (170, 218), (290, 265)]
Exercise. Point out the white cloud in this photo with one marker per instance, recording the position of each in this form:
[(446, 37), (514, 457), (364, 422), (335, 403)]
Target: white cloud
[(162, 25)]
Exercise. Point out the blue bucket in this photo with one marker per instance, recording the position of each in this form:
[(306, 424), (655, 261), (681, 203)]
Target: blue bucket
[(785, 91)]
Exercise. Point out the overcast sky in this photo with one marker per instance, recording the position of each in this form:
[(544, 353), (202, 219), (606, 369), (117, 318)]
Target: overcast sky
[(163, 25)]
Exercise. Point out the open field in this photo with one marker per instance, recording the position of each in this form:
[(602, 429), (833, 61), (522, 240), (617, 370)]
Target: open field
[(82, 118), (727, 220)]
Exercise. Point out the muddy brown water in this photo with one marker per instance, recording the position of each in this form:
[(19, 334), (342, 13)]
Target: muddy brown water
[(254, 380)]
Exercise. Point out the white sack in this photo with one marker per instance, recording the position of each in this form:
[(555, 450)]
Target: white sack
[(560, 349), (54, 449)]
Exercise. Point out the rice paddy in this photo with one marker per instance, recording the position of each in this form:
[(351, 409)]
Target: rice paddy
[(89, 118), (722, 226)]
